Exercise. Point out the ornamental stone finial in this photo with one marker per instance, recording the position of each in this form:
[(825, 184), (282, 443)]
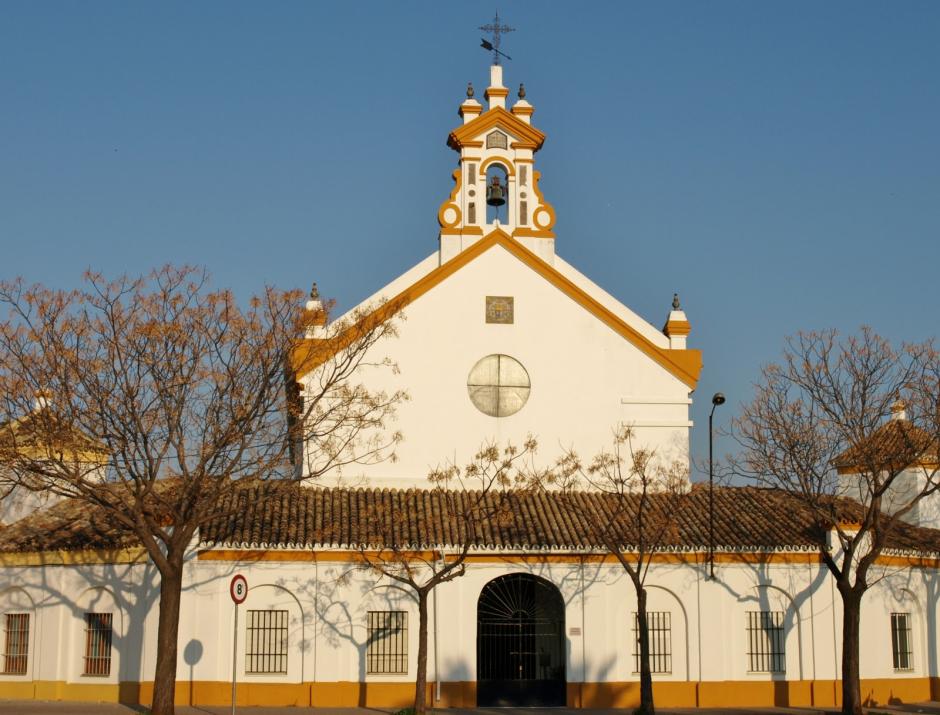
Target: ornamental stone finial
[(469, 90), (521, 91), (676, 305), (314, 292)]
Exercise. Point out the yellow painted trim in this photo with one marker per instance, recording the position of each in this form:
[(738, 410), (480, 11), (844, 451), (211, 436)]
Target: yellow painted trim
[(677, 327), (255, 555), (855, 469), (505, 162), (451, 202), (671, 557), (525, 232), (542, 217), (443, 210), (685, 365), (139, 555), (74, 558), (461, 231), (464, 136), (60, 690), (463, 694), (346, 555), (544, 205), (523, 111), (495, 92)]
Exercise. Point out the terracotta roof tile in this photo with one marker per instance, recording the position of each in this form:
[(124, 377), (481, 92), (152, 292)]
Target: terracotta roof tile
[(896, 444), (287, 515)]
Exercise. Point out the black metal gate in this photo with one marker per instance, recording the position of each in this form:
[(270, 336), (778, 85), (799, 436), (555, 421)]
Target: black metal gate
[(520, 643)]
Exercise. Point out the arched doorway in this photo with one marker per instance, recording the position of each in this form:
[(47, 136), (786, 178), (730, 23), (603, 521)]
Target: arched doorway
[(520, 643)]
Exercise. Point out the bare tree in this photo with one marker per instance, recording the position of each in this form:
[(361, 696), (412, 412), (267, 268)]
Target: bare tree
[(468, 502), (817, 429), (640, 499), (158, 396)]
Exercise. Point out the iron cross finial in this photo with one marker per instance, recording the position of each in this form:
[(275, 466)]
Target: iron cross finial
[(496, 30)]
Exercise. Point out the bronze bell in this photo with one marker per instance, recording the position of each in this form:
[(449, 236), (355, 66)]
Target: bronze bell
[(495, 193)]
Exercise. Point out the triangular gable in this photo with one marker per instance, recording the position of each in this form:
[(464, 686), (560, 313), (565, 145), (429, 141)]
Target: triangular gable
[(529, 137), (686, 365)]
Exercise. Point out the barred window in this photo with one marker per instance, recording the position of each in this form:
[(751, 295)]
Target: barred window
[(266, 642), (659, 624), (387, 650), (16, 643), (901, 644), (765, 642), (98, 636)]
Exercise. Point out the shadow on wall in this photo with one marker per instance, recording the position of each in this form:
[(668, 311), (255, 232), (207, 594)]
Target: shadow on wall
[(192, 654)]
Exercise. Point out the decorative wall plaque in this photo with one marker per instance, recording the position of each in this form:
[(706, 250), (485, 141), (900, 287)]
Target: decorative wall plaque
[(496, 140), (499, 309)]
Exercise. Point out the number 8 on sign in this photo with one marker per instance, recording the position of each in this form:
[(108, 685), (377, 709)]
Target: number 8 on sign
[(238, 589)]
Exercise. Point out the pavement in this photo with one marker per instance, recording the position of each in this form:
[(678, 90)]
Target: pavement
[(43, 707)]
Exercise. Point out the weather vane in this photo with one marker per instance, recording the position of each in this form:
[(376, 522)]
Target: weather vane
[(496, 30)]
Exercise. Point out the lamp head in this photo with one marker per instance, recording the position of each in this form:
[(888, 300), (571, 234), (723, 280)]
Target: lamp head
[(718, 399)]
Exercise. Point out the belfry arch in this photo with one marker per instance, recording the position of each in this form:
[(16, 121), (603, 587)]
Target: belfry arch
[(520, 643)]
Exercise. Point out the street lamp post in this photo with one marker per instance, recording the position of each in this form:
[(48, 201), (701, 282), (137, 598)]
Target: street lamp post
[(717, 399)]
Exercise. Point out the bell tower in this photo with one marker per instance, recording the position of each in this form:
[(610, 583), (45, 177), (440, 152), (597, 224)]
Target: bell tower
[(496, 185)]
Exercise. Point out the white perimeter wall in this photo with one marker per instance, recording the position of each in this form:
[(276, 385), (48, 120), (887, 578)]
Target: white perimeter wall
[(327, 604)]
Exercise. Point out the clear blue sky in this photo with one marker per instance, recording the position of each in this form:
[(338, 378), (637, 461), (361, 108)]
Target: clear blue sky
[(777, 164)]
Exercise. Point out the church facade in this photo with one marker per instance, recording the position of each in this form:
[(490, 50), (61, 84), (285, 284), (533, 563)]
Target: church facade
[(503, 339)]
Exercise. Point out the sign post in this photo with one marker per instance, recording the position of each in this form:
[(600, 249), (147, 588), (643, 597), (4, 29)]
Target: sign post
[(238, 590)]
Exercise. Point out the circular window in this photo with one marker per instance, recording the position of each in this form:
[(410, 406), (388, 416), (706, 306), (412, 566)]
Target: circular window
[(498, 385)]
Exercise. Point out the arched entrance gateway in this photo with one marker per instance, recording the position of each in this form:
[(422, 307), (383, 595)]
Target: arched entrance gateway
[(520, 643)]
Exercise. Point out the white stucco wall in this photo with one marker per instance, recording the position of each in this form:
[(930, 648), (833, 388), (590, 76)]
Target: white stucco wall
[(328, 602), (585, 378)]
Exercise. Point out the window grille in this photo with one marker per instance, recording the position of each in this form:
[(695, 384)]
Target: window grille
[(387, 650), (98, 636), (765, 642), (659, 625), (901, 644), (16, 643), (266, 642)]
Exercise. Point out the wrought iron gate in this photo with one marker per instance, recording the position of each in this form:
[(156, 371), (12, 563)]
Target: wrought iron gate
[(520, 643)]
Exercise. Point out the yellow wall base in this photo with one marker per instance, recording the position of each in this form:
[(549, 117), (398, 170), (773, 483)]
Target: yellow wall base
[(796, 693)]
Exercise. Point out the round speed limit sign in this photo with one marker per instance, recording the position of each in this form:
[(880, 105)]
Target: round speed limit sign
[(238, 589)]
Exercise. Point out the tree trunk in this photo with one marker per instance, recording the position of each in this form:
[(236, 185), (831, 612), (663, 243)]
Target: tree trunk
[(851, 621), (646, 675), (421, 676), (164, 679)]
